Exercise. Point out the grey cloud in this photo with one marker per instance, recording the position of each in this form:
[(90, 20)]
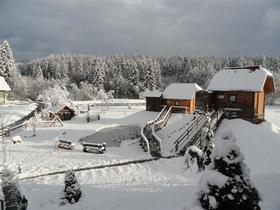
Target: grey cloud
[(159, 27)]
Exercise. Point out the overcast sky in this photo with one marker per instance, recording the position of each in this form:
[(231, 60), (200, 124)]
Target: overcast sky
[(36, 28)]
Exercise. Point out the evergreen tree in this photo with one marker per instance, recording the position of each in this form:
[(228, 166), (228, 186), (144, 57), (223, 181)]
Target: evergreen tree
[(72, 191), (225, 184), (8, 68), (37, 72), (11, 191)]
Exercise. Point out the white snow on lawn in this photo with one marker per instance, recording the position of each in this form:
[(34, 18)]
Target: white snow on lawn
[(163, 184), (15, 111)]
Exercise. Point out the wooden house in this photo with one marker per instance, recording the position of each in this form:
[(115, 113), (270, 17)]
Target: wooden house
[(4, 89), (181, 95), (153, 100), (64, 112), (243, 90)]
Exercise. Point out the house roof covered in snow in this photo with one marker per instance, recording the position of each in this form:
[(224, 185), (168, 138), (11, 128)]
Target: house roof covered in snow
[(56, 109), (181, 91), (4, 85), (152, 94), (240, 80)]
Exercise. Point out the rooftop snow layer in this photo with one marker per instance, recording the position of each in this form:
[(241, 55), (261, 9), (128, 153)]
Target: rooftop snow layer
[(152, 94), (181, 91), (3, 85), (239, 79)]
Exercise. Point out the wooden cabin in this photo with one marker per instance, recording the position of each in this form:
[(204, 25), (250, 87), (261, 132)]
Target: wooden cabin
[(64, 112), (153, 100), (181, 95), (243, 90), (4, 89)]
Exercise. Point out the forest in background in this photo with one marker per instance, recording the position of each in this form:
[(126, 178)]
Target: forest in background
[(87, 77), (127, 76)]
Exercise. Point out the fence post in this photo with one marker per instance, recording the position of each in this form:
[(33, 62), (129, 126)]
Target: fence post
[(2, 204), (8, 132)]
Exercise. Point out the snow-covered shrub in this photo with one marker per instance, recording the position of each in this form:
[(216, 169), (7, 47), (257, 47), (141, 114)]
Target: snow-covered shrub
[(194, 154), (207, 147), (201, 156), (10, 189), (56, 95), (225, 183), (72, 191)]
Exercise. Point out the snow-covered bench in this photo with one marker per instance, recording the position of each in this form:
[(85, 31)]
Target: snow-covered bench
[(92, 147), (64, 144)]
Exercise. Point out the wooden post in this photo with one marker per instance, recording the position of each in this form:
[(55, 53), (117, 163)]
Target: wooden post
[(2, 204)]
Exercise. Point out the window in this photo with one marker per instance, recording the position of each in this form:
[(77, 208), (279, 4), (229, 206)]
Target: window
[(232, 99), (176, 103), (220, 96)]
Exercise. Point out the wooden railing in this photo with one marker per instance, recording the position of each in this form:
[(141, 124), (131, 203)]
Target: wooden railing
[(194, 133), (7, 131), (190, 131)]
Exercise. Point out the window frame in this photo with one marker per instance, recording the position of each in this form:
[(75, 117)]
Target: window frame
[(221, 96), (229, 99)]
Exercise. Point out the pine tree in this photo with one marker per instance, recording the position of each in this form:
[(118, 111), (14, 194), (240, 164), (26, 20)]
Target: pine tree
[(225, 184), (72, 192), (37, 72), (11, 190), (8, 67)]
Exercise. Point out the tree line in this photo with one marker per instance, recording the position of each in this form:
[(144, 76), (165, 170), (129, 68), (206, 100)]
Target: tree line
[(123, 76)]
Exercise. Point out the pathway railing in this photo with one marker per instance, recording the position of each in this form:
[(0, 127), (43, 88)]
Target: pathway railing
[(194, 132)]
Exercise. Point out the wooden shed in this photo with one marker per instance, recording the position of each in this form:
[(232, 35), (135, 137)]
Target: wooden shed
[(181, 95), (64, 112), (242, 89), (153, 100)]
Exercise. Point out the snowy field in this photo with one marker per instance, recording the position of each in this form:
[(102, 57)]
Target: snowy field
[(162, 184), (14, 111)]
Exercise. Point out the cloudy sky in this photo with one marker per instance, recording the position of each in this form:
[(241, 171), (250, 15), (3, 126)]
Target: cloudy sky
[(36, 28)]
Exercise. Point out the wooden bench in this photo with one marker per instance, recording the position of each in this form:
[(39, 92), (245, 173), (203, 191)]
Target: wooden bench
[(64, 144), (93, 147)]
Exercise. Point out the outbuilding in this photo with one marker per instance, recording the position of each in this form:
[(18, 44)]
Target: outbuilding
[(153, 100), (243, 89), (181, 95), (4, 89), (63, 112)]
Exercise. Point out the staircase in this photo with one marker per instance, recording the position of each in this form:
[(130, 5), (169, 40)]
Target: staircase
[(195, 132), (150, 141)]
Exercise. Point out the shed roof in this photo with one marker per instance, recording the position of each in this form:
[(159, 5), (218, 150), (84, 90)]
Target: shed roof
[(56, 109), (152, 94), (239, 80), (181, 91), (4, 85)]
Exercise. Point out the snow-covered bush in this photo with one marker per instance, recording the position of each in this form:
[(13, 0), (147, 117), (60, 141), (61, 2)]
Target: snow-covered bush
[(11, 190), (72, 191), (194, 155), (201, 156), (56, 95), (207, 147), (225, 183)]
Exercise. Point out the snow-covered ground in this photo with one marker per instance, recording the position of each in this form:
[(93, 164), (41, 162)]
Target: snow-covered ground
[(162, 184), (14, 111)]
